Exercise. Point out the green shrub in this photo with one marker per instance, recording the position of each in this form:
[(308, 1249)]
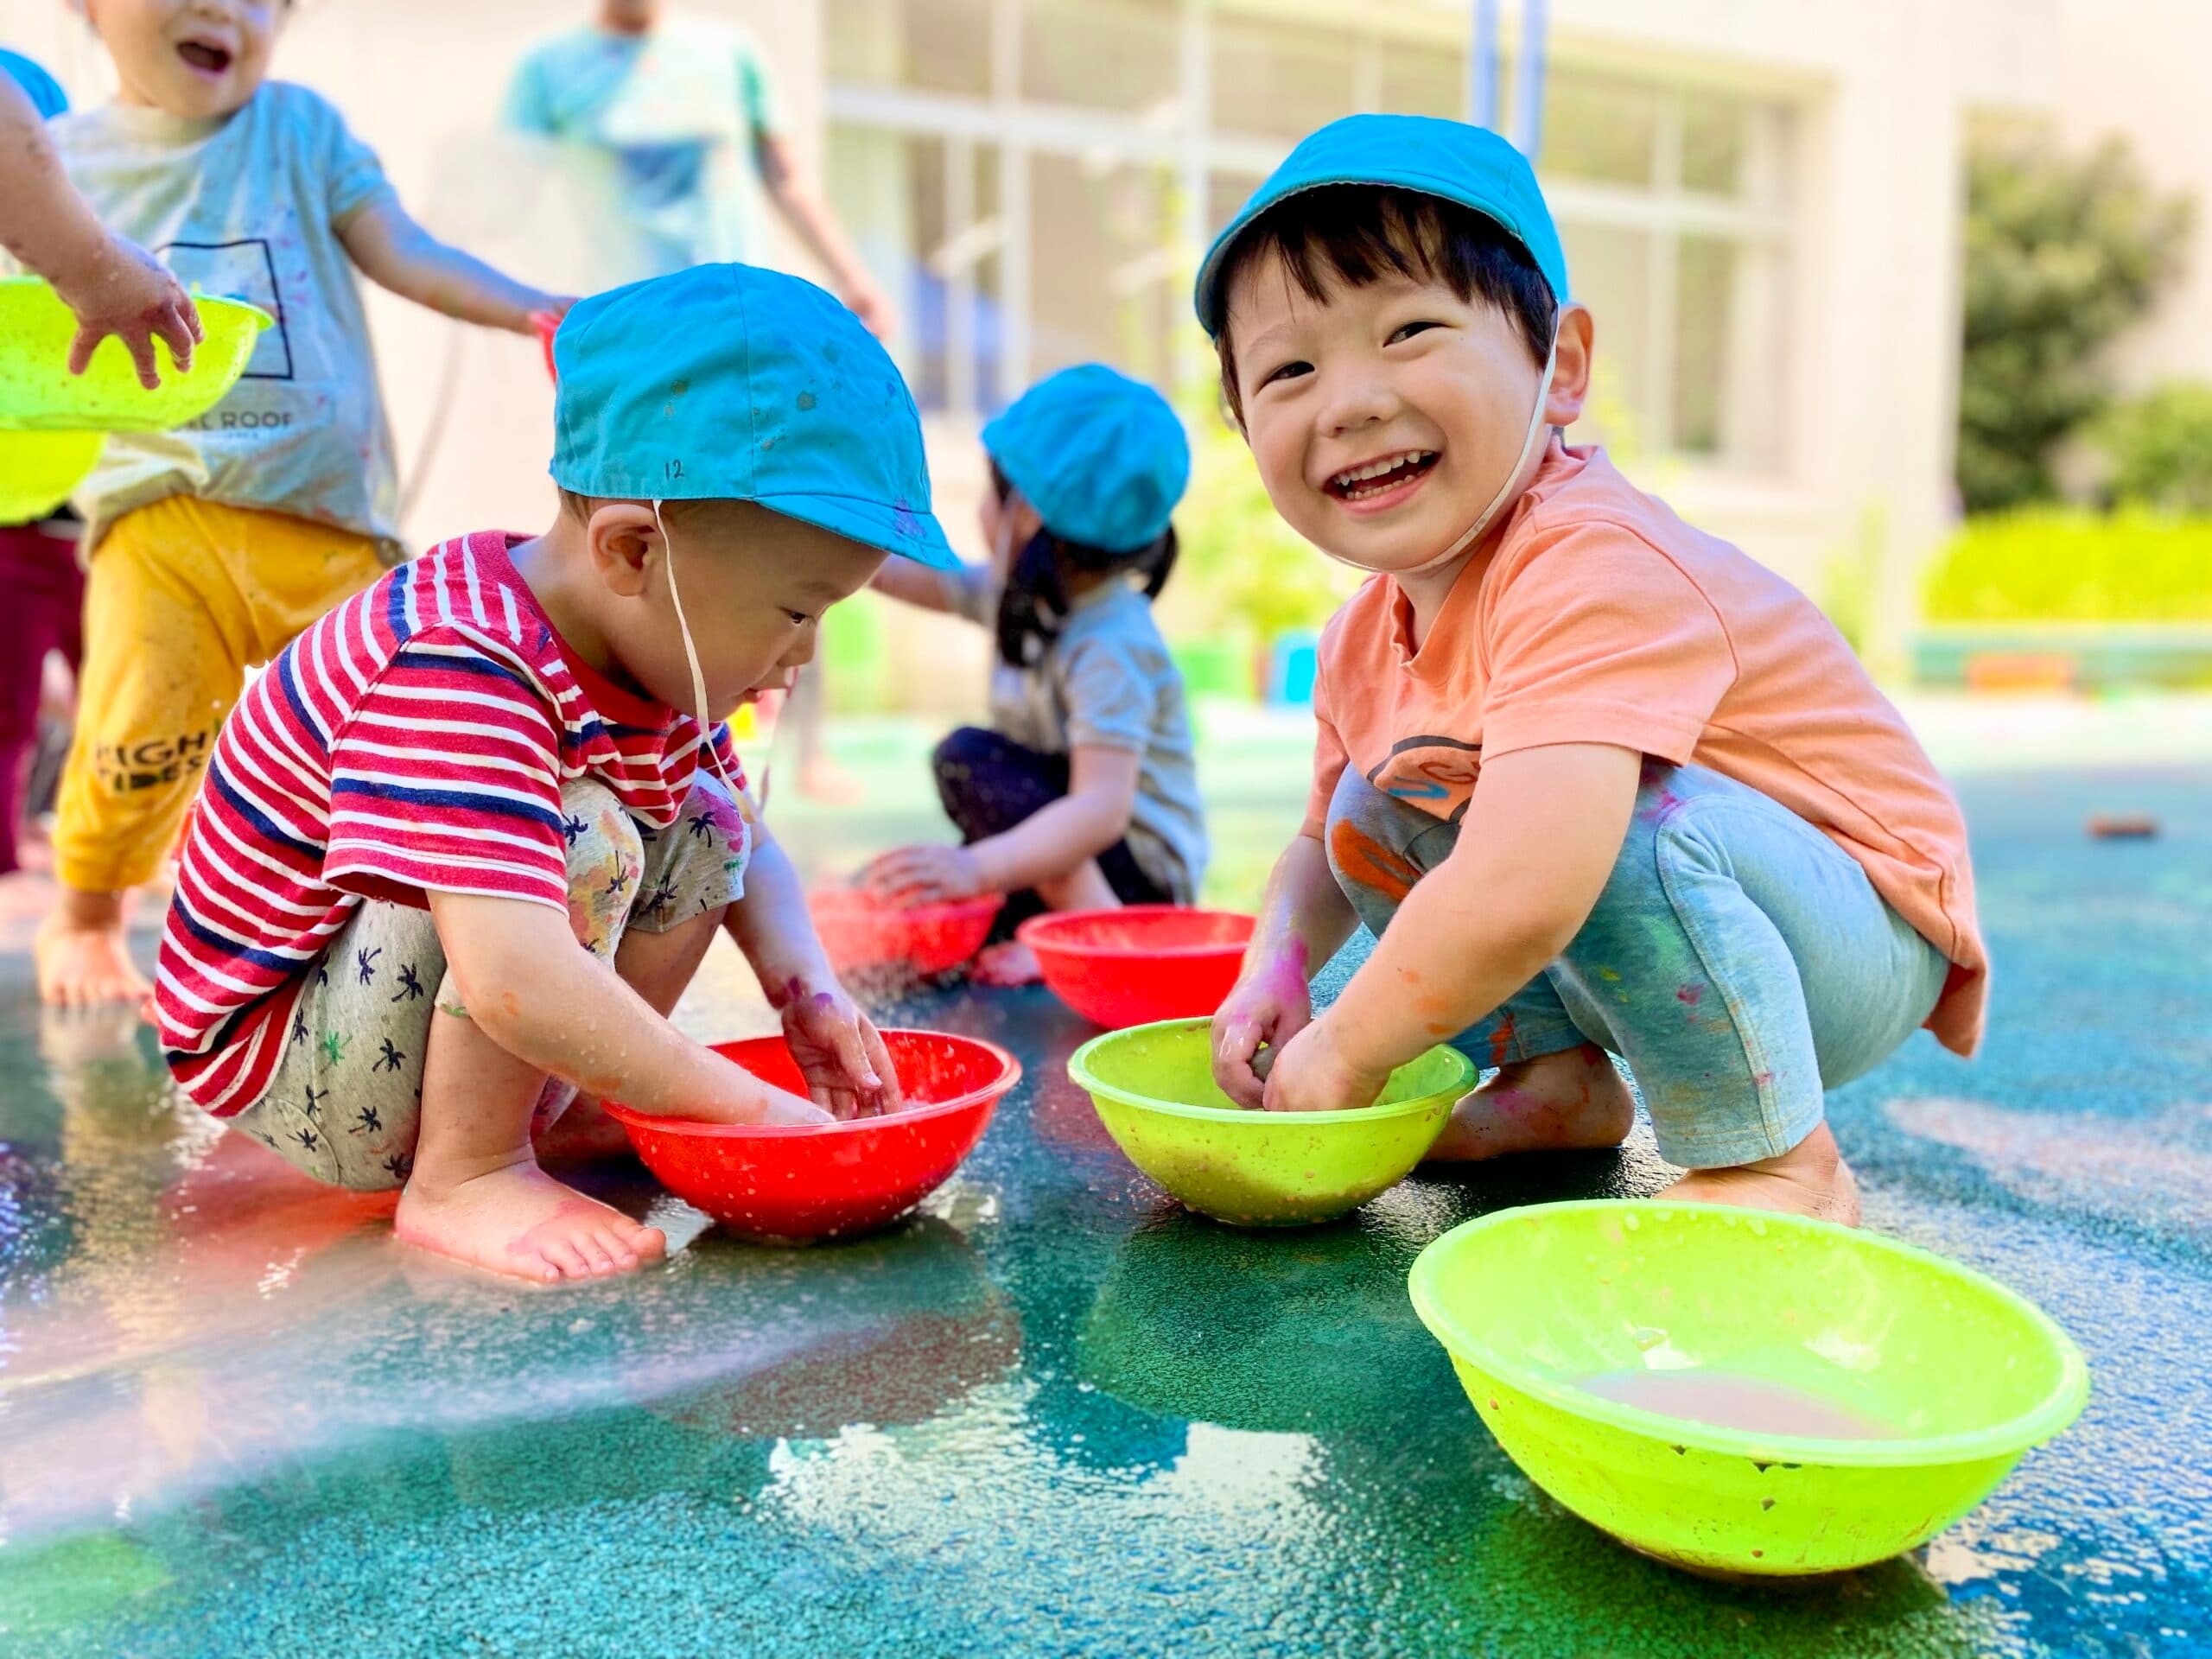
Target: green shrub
[(2159, 448), (2056, 564), (2063, 253)]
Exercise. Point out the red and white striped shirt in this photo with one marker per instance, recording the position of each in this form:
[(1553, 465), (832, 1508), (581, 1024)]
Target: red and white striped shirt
[(416, 737)]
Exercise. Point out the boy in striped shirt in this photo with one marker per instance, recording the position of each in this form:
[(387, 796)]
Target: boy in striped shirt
[(459, 852)]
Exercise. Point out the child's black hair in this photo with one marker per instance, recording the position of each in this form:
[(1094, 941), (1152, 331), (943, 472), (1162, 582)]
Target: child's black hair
[(1360, 233), (1035, 602)]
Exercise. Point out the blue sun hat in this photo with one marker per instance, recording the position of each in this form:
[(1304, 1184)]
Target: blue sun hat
[(735, 383), (1469, 165), (1102, 457)]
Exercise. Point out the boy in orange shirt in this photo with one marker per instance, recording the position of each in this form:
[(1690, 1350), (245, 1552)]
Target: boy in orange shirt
[(1597, 781)]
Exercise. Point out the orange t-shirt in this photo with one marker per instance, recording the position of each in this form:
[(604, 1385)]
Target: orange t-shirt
[(1600, 617)]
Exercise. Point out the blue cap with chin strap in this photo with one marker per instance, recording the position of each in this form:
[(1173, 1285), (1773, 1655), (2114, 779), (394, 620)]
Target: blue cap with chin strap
[(735, 383), (1471, 166), (1100, 456)]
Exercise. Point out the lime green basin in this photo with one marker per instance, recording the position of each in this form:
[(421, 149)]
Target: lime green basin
[(1960, 1375), (39, 469), (38, 393), (1154, 1091)]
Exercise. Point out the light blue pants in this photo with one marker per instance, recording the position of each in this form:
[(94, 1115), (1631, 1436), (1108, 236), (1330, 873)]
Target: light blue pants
[(1739, 960)]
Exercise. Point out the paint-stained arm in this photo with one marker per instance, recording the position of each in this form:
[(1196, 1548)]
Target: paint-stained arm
[(1539, 840), (1304, 920), (394, 252), (112, 285), (838, 1049)]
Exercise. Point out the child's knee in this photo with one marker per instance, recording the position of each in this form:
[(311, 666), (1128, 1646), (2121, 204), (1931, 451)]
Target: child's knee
[(962, 748), (966, 752)]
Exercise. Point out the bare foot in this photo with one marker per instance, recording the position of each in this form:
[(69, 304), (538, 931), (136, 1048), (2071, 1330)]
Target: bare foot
[(1010, 964), (79, 966), (1572, 1100), (1811, 1178), (516, 1219)]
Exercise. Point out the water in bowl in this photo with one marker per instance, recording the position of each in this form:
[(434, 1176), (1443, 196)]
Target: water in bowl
[(1734, 1400)]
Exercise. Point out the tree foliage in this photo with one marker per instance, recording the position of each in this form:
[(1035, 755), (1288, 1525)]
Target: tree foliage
[(2063, 253), (2158, 448)]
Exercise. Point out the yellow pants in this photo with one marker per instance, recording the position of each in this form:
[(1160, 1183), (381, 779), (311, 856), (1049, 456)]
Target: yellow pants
[(182, 597)]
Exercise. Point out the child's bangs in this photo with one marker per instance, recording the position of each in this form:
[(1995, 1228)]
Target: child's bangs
[(1353, 235)]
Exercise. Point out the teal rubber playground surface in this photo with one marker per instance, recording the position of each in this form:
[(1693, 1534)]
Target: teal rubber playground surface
[(1053, 1414)]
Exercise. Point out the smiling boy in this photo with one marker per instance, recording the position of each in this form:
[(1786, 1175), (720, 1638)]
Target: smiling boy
[(1598, 781)]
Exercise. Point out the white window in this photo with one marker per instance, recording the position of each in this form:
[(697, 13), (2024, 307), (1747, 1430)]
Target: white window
[(1674, 207), (1035, 178)]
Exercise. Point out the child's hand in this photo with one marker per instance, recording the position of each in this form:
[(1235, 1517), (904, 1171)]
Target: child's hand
[(840, 1053), (132, 295), (1311, 1074), (1269, 1007), (925, 875)]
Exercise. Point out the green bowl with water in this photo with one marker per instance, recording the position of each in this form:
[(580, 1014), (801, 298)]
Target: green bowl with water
[(39, 394), (1154, 1090), (1741, 1393)]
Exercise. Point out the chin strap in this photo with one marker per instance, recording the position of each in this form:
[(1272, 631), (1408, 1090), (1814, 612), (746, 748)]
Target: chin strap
[(692, 659), (1513, 476)]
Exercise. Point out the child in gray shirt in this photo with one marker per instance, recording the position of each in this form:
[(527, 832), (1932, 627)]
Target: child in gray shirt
[(1084, 794)]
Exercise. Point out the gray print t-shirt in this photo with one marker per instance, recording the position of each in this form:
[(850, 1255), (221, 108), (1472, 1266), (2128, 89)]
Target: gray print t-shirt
[(249, 207), (1108, 683)]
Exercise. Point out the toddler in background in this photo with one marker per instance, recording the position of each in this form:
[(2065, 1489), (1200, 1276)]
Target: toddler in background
[(112, 288), (1597, 780), (1083, 794), (211, 546), (460, 840)]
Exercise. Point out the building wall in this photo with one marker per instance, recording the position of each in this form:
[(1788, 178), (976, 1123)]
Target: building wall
[(1880, 90), (2137, 68)]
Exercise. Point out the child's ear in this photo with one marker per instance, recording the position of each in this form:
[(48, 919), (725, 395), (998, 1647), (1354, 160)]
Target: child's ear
[(1570, 366), (621, 535)]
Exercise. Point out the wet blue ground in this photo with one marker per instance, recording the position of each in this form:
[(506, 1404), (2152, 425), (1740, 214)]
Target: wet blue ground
[(1054, 1415)]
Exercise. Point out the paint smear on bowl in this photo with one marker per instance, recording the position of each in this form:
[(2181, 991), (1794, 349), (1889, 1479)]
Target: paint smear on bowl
[(1757, 1405)]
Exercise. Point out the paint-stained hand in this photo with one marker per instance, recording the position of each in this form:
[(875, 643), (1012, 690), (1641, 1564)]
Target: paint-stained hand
[(1271, 1005), (925, 875), (840, 1053), (1311, 1074), (132, 295)]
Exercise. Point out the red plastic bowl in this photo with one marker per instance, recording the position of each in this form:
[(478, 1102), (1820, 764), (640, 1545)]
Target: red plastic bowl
[(861, 933), (834, 1179), (1143, 962)]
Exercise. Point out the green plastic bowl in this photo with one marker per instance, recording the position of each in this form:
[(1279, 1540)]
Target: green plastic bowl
[(1962, 1375), (38, 393), (1154, 1091), (39, 469)]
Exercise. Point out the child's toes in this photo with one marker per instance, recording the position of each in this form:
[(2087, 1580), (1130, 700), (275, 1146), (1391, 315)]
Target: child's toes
[(566, 1257), (645, 1244), (599, 1260)]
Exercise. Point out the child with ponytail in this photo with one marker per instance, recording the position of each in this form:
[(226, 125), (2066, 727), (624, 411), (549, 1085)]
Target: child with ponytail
[(1082, 794)]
